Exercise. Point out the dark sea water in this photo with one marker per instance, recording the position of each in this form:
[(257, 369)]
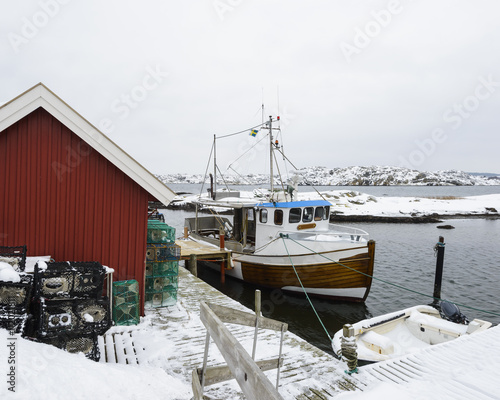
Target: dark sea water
[(404, 257)]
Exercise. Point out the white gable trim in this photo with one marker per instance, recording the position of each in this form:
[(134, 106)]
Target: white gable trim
[(40, 96)]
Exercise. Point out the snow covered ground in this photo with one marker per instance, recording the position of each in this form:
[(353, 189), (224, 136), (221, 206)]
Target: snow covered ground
[(44, 372), (171, 342)]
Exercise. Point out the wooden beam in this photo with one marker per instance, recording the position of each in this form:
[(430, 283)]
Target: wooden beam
[(253, 383), (232, 316), (222, 373), (196, 385)]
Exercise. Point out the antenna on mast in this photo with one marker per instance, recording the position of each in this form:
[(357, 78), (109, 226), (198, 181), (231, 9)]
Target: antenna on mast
[(262, 105)]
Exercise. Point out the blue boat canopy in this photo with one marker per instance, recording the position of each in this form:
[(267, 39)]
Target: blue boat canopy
[(293, 204)]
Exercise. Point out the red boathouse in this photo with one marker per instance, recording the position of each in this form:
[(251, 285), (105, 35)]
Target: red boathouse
[(68, 191)]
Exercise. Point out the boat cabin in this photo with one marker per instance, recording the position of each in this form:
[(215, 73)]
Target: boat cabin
[(255, 224)]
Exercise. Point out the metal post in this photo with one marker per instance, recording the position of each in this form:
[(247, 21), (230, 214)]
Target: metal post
[(205, 358), (223, 262), (196, 218), (279, 357), (439, 249)]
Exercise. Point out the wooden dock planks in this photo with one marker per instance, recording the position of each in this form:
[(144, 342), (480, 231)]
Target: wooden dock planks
[(119, 348), (306, 369), (200, 250)]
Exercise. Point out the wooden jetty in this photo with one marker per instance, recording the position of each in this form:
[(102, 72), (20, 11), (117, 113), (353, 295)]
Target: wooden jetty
[(202, 251), (454, 369), (307, 372), (192, 251)]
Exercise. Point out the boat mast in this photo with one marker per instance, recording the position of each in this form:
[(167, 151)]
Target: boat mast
[(215, 170), (271, 152)]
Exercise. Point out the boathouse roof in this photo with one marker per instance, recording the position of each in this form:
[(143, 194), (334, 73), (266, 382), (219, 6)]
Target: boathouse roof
[(40, 96)]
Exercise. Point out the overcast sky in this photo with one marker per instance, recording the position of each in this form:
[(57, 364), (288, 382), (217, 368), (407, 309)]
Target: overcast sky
[(410, 83)]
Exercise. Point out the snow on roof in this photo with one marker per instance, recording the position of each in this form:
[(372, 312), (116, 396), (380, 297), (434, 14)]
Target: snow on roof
[(40, 96)]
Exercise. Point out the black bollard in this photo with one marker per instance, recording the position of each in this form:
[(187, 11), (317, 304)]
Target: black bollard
[(439, 249)]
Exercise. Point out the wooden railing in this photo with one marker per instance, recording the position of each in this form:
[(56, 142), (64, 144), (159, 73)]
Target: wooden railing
[(240, 365)]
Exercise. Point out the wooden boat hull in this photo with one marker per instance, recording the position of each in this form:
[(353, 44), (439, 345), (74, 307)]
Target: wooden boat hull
[(346, 278)]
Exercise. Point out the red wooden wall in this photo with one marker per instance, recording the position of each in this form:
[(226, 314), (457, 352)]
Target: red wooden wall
[(62, 198)]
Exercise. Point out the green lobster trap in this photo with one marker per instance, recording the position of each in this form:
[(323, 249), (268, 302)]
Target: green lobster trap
[(162, 268), (165, 298), (162, 265), (126, 302), (160, 232)]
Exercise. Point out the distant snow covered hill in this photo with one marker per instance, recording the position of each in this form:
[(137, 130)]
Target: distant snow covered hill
[(354, 176)]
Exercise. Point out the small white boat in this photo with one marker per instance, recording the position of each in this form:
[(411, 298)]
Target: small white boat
[(404, 332)]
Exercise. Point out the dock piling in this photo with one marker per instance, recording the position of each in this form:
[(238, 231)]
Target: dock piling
[(193, 264), (349, 349)]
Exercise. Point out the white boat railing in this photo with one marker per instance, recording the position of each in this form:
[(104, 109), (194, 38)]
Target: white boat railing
[(344, 233)]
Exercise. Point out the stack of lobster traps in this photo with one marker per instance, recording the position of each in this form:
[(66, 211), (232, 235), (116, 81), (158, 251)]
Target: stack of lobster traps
[(68, 309), (14, 295)]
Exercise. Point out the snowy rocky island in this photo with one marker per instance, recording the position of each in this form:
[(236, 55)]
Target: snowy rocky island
[(354, 206), (354, 176), (349, 205)]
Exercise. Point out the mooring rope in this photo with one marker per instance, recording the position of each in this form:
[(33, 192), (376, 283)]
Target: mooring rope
[(385, 281), (310, 302)]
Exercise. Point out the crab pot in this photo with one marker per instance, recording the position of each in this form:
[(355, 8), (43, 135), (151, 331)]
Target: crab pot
[(162, 252), (70, 279), (14, 252), (77, 316), (160, 232), (126, 302), (86, 344)]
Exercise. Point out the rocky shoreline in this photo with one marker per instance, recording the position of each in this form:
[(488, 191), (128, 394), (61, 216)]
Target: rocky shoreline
[(422, 219), (336, 217)]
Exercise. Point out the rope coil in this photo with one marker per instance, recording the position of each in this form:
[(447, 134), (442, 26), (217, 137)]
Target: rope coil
[(349, 353)]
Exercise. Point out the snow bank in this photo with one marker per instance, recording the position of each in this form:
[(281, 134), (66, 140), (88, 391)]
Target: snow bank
[(8, 273), (45, 372), (356, 203), (353, 203)]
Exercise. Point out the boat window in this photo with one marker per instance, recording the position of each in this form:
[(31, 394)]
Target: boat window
[(278, 217), (326, 215), (307, 216), (318, 213), (263, 216), (250, 214), (294, 216)]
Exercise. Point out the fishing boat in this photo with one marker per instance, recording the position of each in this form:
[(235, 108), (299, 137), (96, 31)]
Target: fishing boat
[(403, 332), (285, 243)]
